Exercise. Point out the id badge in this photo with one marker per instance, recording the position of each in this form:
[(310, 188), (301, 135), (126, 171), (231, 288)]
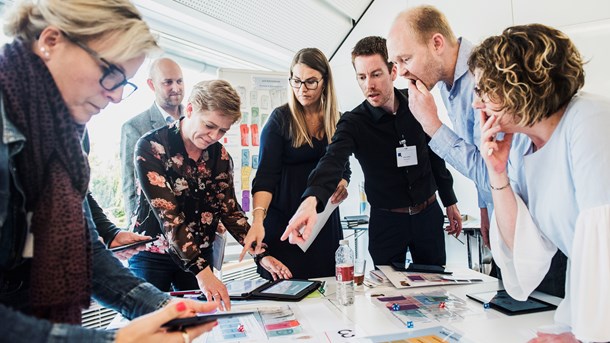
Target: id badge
[(406, 156)]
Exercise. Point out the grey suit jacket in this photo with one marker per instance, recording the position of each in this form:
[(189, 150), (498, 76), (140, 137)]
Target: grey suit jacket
[(131, 131)]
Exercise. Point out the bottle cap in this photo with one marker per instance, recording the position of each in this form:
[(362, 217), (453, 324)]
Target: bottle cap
[(344, 242)]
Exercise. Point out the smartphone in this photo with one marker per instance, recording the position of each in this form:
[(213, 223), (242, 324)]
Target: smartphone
[(200, 319), (133, 245)]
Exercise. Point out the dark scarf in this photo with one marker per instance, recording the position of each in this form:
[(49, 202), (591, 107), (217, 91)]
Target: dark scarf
[(54, 174)]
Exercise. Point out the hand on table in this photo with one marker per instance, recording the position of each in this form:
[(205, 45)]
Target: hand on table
[(214, 289), (277, 269)]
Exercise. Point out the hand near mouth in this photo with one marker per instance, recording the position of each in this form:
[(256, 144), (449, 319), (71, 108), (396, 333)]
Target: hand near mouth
[(423, 107), (496, 151)]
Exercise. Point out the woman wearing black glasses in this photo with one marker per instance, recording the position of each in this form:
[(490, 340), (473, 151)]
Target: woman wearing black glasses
[(292, 142), (68, 60)]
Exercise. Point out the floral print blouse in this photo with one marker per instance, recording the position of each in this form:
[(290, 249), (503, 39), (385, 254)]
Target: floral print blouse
[(182, 201)]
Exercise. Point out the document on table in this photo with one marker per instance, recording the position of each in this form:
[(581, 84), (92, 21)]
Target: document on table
[(402, 279), (428, 335), (322, 219)]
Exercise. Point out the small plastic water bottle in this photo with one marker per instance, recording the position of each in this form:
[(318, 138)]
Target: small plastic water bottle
[(344, 273)]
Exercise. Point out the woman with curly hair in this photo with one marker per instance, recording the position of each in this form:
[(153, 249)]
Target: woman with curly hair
[(553, 193)]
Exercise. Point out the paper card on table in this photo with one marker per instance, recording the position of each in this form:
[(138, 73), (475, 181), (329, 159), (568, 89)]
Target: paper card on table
[(428, 335), (322, 218), (402, 279)]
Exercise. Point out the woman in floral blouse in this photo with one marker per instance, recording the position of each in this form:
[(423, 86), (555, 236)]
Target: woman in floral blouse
[(186, 178)]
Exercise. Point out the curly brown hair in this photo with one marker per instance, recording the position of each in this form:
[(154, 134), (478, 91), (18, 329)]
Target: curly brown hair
[(532, 71)]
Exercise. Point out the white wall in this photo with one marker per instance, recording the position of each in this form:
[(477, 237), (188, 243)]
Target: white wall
[(587, 22)]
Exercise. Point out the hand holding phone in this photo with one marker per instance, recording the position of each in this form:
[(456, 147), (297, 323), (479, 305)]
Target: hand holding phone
[(199, 319), (149, 328)]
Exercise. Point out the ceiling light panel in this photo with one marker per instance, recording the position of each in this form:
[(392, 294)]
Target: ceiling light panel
[(288, 24), (352, 8)]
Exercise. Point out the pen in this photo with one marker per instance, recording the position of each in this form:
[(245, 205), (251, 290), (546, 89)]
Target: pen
[(459, 240)]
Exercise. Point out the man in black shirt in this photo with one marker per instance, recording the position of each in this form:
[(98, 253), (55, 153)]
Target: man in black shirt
[(401, 174)]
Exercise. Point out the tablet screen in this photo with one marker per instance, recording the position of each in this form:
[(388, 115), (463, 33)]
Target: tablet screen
[(241, 287), (287, 287)]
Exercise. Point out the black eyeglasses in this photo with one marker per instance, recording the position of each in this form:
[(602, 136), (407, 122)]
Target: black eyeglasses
[(113, 77), (310, 84), (479, 93)]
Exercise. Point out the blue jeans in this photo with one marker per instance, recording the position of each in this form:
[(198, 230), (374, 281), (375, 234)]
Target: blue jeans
[(161, 271)]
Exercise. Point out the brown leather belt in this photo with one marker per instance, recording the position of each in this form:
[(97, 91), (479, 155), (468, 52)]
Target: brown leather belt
[(413, 209)]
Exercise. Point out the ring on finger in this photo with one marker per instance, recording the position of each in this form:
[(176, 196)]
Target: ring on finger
[(185, 336)]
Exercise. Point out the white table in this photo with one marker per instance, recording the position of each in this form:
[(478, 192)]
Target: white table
[(493, 326), (367, 318)]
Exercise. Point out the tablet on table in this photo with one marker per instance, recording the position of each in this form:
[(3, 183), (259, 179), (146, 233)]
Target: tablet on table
[(503, 302)]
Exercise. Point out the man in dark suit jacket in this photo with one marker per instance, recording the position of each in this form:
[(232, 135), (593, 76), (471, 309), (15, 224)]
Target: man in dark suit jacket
[(165, 79)]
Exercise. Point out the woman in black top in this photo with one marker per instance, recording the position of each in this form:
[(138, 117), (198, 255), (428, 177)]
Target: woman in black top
[(292, 142)]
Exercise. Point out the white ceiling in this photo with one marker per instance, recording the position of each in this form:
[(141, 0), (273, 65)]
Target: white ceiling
[(250, 34)]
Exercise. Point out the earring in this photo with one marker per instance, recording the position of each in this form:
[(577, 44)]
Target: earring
[(44, 52)]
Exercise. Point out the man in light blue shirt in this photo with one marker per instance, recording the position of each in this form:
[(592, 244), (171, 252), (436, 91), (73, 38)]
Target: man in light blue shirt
[(433, 55), (426, 51)]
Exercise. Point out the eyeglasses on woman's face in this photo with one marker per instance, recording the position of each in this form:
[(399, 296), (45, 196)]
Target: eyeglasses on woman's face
[(113, 77), (481, 95), (309, 84)]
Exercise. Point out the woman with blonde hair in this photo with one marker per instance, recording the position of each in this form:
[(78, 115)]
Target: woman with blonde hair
[(292, 142), (553, 193), (186, 176), (68, 60)]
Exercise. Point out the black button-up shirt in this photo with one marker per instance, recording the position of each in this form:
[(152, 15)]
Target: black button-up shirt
[(372, 135)]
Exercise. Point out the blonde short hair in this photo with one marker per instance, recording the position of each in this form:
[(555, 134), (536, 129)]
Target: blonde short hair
[(84, 20), (532, 71), (216, 95)]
